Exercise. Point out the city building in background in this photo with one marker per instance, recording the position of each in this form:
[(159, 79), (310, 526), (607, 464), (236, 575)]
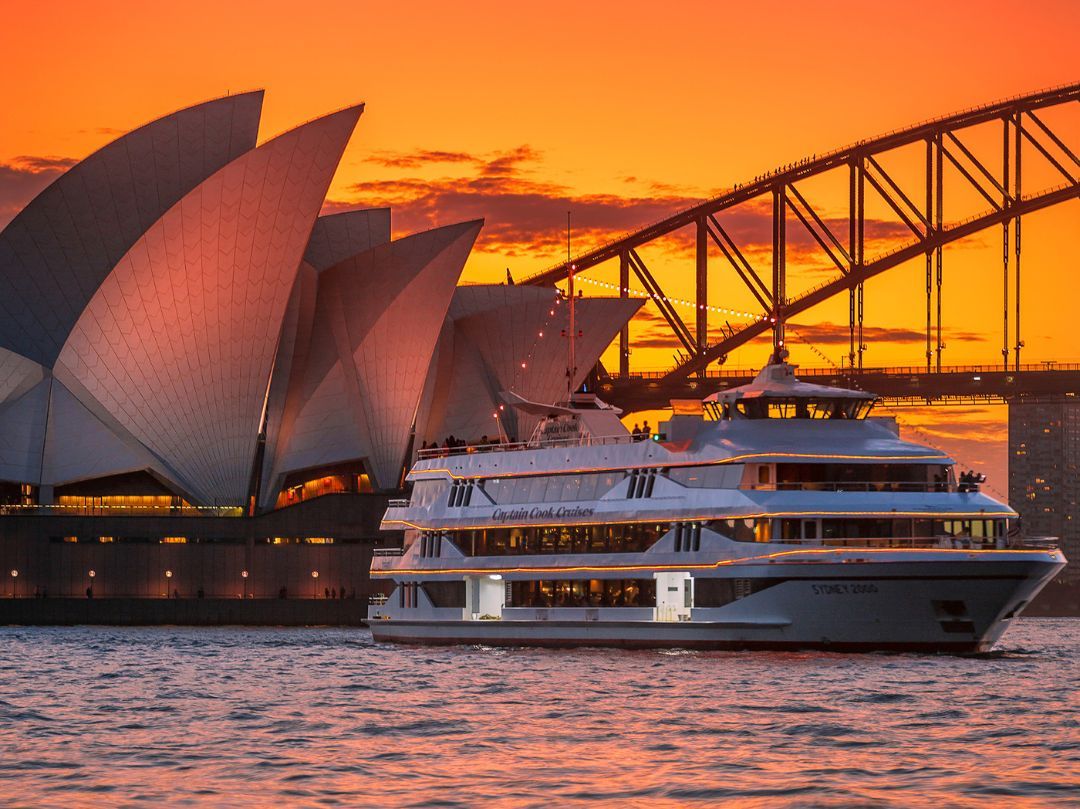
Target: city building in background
[(1044, 487)]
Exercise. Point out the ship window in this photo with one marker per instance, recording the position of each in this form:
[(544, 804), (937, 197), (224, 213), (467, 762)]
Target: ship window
[(550, 488), (714, 476), (588, 487), (528, 490), (880, 477), (740, 530), (583, 593), (426, 492), (445, 593), (763, 474), (803, 408), (710, 592), (618, 538)]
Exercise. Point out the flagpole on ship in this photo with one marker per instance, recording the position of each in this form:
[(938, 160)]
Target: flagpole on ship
[(571, 360)]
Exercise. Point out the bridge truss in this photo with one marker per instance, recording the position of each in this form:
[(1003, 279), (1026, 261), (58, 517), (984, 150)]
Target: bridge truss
[(999, 183)]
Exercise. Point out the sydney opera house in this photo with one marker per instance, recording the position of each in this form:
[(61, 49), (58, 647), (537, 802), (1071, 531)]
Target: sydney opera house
[(207, 388)]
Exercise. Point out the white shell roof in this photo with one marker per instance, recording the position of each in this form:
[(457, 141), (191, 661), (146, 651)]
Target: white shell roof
[(378, 315), (58, 250), (491, 331), (178, 342)]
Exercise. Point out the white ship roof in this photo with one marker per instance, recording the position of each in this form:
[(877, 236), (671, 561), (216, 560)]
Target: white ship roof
[(778, 381)]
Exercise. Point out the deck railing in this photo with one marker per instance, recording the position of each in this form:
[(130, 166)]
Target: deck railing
[(515, 446), (896, 370), (934, 542)]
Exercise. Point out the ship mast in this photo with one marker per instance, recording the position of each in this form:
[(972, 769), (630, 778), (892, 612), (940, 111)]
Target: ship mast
[(571, 360)]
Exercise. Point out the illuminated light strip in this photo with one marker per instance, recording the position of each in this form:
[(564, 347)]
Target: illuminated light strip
[(732, 459), (102, 506), (695, 565), (945, 515), (677, 301)]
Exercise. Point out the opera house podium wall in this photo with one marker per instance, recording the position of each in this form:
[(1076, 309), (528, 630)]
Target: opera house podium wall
[(106, 569)]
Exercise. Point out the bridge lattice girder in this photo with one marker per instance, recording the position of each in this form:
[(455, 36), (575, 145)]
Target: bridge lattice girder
[(1000, 186)]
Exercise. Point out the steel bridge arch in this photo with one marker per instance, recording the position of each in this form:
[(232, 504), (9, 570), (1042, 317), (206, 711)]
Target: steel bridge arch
[(1003, 190)]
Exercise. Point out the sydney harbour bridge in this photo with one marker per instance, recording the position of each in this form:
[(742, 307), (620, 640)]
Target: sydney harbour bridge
[(916, 198), (1031, 166)]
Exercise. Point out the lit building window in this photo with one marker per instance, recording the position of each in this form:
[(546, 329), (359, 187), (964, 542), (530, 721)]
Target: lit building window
[(338, 482)]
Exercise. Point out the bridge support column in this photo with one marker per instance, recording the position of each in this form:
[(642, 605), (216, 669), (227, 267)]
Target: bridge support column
[(702, 287), (929, 252), (861, 258), (1005, 203), (939, 214), (624, 333), (1018, 138), (779, 251), (856, 237), (853, 172)]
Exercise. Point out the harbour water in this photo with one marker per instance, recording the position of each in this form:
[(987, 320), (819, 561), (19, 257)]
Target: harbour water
[(320, 717)]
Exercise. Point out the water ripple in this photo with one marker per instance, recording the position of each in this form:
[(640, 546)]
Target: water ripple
[(322, 717)]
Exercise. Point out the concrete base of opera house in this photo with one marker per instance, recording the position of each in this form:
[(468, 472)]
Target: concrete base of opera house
[(182, 612), (152, 568)]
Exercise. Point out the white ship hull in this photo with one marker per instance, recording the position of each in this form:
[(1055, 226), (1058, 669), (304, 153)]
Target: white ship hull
[(955, 607)]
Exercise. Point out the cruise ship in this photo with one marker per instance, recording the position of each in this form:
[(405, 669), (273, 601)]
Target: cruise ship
[(775, 515)]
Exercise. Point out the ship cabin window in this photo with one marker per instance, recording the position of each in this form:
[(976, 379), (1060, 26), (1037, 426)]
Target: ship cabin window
[(802, 407), (560, 539), (863, 477), (426, 492), (886, 531), (445, 593), (551, 488), (892, 531), (975, 529), (741, 529), (714, 476), (583, 593)]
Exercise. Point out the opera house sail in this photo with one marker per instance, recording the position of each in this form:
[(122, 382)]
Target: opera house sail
[(193, 358)]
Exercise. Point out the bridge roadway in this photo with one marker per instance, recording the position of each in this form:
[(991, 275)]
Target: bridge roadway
[(897, 386)]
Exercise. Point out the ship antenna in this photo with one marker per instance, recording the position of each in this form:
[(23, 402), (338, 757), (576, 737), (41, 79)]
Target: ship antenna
[(571, 361)]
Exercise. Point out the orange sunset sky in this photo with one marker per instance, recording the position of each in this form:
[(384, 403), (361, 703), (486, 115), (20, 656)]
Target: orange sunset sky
[(621, 112)]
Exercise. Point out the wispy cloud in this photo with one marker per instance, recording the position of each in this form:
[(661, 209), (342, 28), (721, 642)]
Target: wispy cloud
[(23, 178), (835, 333), (418, 158), (525, 215)]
